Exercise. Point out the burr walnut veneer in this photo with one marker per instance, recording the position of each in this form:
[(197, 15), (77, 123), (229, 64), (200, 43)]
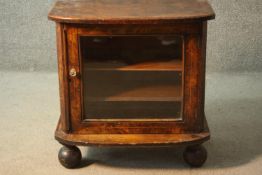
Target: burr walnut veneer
[(131, 73)]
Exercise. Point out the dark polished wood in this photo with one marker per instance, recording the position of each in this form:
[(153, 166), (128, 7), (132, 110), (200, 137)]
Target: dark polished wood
[(70, 156), (132, 73), (195, 155)]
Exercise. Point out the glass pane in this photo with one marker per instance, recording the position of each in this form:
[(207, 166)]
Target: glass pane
[(132, 77)]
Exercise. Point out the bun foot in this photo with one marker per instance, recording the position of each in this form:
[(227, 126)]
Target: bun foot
[(70, 156), (195, 156)]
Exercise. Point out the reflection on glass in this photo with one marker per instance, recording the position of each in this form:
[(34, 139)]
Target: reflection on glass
[(132, 77)]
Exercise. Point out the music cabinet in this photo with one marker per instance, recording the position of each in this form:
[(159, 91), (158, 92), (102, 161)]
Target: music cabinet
[(131, 73)]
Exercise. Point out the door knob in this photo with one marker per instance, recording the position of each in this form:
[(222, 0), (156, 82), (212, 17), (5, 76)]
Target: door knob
[(73, 72)]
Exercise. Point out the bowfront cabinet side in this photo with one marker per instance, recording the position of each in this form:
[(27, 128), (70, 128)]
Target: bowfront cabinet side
[(62, 59), (129, 79)]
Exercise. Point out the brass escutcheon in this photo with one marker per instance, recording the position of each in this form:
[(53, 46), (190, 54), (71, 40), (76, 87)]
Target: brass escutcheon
[(73, 72)]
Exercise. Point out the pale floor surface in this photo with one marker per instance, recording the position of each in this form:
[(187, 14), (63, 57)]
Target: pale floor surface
[(29, 109)]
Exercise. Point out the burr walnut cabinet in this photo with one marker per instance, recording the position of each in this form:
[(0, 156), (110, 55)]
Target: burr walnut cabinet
[(131, 73)]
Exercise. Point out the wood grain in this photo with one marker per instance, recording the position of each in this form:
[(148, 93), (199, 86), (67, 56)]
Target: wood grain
[(121, 85), (193, 72), (63, 77), (132, 139), (130, 12), (192, 93)]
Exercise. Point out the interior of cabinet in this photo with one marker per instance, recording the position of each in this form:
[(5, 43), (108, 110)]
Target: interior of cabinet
[(132, 77)]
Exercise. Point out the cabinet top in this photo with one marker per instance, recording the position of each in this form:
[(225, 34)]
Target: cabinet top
[(130, 11)]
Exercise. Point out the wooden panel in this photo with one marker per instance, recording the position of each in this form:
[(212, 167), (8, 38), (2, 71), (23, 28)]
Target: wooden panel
[(194, 81), (130, 12), (74, 82), (63, 79)]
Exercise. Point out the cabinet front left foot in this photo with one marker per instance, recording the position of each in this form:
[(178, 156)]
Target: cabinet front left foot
[(195, 155), (70, 156)]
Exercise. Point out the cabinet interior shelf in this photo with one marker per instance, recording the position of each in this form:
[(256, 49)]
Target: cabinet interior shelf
[(146, 90), (133, 86), (170, 65), (154, 93)]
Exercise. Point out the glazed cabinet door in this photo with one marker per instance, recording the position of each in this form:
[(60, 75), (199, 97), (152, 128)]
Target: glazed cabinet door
[(132, 78), (135, 79)]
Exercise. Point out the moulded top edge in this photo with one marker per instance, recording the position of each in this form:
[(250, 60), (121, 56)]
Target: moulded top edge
[(130, 12)]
